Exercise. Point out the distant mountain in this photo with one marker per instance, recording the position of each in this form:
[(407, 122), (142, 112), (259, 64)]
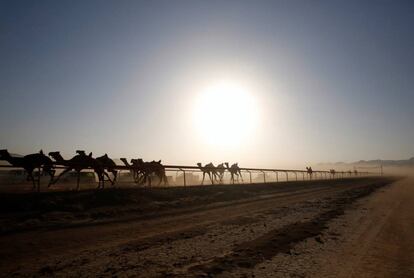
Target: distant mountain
[(376, 162)]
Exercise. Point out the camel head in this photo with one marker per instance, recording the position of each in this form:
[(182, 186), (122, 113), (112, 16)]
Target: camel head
[(125, 161), (227, 164), (55, 155), (81, 152), (4, 154), (199, 164)]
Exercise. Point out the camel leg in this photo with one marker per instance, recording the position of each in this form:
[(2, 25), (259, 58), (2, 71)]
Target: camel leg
[(38, 180), (51, 172), (160, 178), (115, 173), (101, 177), (204, 175), (31, 178), (143, 179), (99, 181), (109, 178), (209, 174), (103, 180), (58, 177), (136, 176), (78, 181)]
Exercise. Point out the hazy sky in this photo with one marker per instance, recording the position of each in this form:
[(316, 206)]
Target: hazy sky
[(333, 80)]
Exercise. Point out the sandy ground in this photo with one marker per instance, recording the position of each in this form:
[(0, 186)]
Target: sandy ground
[(339, 228)]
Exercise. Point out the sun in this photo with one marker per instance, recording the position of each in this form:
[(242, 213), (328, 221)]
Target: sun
[(226, 114)]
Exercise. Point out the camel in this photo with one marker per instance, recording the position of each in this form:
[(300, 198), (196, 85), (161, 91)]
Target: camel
[(220, 169), (206, 170), (158, 170), (80, 162), (138, 168), (134, 168), (143, 171), (213, 170), (234, 171), (29, 163), (109, 165), (332, 172), (310, 172)]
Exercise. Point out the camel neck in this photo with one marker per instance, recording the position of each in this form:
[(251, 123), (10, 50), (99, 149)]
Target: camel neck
[(15, 161)]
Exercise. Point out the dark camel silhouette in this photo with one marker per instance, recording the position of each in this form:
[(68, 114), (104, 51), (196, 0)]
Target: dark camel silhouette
[(139, 168), (145, 171), (157, 169), (80, 162), (134, 168), (310, 172), (108, 165), (220, 169), (332, 172), (213, 171), (206, 170), (29, 163), (234, 171)]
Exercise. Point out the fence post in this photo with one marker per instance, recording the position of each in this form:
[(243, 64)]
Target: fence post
[(287, 176), (250, 175), (185, 182)]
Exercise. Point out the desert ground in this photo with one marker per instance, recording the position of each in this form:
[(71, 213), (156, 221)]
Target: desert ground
[(355, 227)]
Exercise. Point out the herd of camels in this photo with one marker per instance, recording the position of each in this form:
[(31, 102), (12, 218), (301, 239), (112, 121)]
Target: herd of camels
[(142, 171)]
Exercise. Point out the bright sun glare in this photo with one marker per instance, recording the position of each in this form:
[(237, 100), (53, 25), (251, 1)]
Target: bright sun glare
[(226, 114)]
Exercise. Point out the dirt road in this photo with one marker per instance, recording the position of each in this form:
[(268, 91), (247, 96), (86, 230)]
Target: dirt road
[(332, 228), (378, 240)]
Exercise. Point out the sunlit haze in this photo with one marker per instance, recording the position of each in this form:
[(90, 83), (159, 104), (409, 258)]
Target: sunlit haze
[(226, 114), (262, 83)]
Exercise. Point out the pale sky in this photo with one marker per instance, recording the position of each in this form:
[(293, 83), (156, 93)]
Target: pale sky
[(316, 81)]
